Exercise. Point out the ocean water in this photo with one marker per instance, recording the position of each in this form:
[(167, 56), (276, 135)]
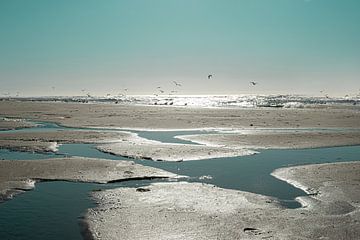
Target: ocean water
[(53, 209), (243, 101)]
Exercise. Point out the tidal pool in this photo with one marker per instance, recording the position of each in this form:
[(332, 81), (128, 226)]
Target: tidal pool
[(52, 209)]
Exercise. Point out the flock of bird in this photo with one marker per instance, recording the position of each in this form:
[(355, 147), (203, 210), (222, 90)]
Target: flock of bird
[(161, 91)]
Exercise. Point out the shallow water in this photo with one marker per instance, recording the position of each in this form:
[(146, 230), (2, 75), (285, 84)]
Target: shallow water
[(246, 173), (52, 210)]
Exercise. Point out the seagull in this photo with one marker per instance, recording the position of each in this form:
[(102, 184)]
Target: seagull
[(210, 76), (158, 87), (253, 83), (162, 91), (177, 84)]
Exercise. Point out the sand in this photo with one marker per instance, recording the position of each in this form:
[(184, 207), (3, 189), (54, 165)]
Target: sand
[(192, 210), (336, 186), (19, 175), (170, 118), (277, 140), (42, 142), (118, 143), (156, 117), (29, 146), (13, 123), (139, 148), (200, 211)]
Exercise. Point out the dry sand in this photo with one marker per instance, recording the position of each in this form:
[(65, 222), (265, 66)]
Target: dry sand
[(167, 118), (19, 175), (49, 141), (118, 143), (29, 146), (156, 117), (277, 140), (336, 186), (193, 210), (202, 211), (140, 148), (10, 123), (68, 136)]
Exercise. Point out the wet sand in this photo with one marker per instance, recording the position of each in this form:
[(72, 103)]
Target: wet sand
[(17, 176), (173, 211)]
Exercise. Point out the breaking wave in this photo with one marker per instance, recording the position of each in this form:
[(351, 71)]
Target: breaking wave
[(241, 101)]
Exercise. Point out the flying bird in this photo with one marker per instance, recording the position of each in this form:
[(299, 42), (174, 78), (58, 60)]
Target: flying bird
[(210, 76), (253, 83), (177, 84), (162, 91)]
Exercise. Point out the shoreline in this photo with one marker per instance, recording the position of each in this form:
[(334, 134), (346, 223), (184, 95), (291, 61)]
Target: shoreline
[(22, 175), (129, 117), (256, 215)]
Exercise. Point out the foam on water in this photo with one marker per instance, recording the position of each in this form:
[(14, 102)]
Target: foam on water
[(242, 101)]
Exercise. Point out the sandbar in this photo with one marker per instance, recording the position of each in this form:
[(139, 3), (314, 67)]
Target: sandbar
[(180, 210), (158, 117), (19, 175)]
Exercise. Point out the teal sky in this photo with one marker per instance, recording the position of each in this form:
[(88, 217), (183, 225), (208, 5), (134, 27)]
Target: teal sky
[(288, 46)]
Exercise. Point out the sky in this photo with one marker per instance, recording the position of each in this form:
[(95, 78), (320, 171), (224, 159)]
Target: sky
[(51, 47)]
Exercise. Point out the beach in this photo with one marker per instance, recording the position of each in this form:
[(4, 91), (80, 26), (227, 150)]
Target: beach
[(167, 117), (182, 209), (214, 213)]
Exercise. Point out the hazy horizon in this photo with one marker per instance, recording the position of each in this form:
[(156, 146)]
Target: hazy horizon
[(70, 48)]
